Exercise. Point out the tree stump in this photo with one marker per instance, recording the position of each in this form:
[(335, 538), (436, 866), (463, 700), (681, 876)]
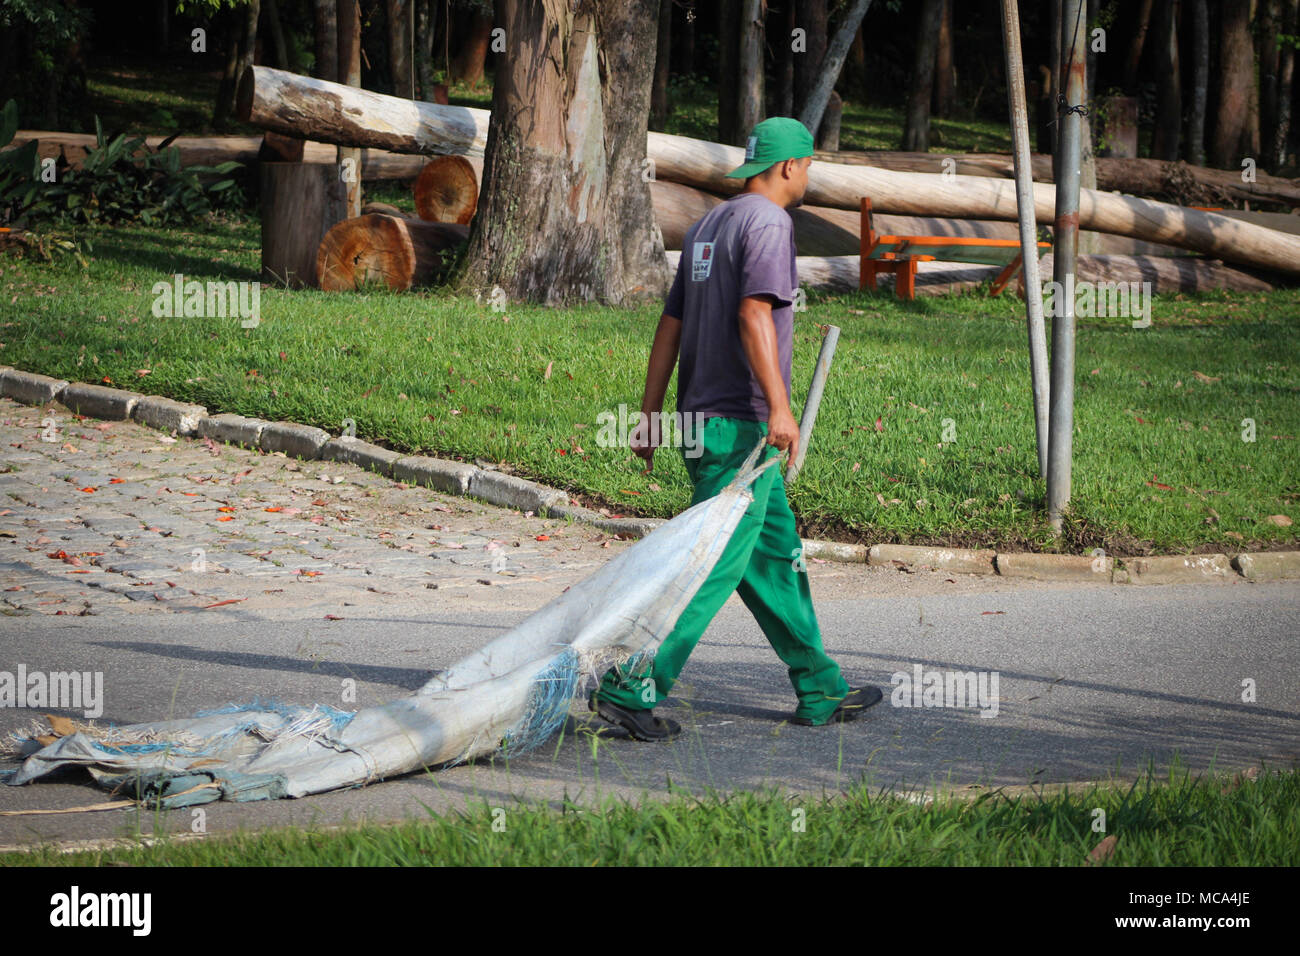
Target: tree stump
[(399, 252), (300, 202)]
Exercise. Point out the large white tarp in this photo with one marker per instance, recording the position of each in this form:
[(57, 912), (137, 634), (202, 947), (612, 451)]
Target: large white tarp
[(513, 693)]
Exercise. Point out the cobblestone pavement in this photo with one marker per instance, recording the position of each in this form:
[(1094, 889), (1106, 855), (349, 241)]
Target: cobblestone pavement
[(99, 516)]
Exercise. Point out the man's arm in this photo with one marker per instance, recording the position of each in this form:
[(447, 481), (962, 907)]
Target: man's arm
[(663, 359), (758, 336)]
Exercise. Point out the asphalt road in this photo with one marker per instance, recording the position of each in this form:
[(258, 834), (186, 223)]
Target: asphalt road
[(1093, 683)]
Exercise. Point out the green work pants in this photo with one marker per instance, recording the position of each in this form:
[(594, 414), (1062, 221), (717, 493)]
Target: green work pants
[(763, 563)]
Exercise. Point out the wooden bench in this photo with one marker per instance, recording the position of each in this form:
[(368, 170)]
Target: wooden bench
[(900, 254)]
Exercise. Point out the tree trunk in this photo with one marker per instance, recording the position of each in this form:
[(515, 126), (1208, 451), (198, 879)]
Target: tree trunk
[(1269, 25), (248, 47), (447, 190), (728, 69), (1194, 143), (945, 77), (399, 48), (916, 128), (349, 156), (273, 99), (749, 107), (327, 39), (272, 13), (828, 134), (1169, 95), (230, 73), (1135, 46), (663, 52), (564, 155), (1236, 78), (426, 13), (814, 109), (785, 43), (467, 67), (400, 252), (1286, 84), (812, 19)]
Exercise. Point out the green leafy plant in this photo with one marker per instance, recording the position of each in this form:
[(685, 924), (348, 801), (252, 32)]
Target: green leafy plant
[(124, 180)]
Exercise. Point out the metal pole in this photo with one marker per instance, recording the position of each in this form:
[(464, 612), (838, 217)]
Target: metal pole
[(1028, 226), (809, 416), (1069, 155)]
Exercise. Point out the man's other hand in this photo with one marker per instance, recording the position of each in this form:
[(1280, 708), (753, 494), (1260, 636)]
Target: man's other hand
[(643, 442), (783, 431)]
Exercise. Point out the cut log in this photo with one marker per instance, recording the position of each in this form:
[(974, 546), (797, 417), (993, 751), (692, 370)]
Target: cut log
[(447, 190), (211, 150), (384, 209), (300, 105), (299, 203), (1179, 181), (399, 252), (823, 231)]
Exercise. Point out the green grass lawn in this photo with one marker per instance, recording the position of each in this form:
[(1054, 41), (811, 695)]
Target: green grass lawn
[(925, 435), (1185, 821)]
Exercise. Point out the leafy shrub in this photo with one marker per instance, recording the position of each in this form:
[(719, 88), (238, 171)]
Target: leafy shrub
[(120, 180)]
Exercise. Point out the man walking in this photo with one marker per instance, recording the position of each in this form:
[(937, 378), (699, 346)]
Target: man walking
[(729, 322)]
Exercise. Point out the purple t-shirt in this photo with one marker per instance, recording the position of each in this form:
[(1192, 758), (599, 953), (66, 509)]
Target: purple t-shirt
[(741, 247)]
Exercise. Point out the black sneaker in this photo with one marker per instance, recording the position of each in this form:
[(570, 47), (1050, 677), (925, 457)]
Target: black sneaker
[(640, 724), (850, 708)]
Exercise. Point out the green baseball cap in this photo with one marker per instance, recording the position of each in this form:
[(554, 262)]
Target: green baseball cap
[(772, 141)]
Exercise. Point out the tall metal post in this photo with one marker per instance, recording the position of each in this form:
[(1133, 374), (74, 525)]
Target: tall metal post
[(1028, 225), (1060, 445)]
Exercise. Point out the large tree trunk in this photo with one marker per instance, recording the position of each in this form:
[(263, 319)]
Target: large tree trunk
[(916, 128), (811, 18), (1139, 37), (1198, 16), (749, 106), (326, 39), (1236, 78), (467, 67), (564, 155), (399, 47), (1269, 25), (273, 99), (1169, 95), (785, 43), (945, 77), (813, 111), (1286, 84), (272, 12), (663, 53)]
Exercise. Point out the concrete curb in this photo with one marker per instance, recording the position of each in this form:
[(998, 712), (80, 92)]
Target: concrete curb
[(945, 559), (296, 441), (1176, 568), (353, 451), (166, 415), (1055, 567), (509, 491), (100, 401), (1268, 565), (452, 477), (30, 388), (232, 428)]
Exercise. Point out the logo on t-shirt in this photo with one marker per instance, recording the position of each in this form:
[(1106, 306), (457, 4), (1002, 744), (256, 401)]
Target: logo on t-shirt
[(702, 261)]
